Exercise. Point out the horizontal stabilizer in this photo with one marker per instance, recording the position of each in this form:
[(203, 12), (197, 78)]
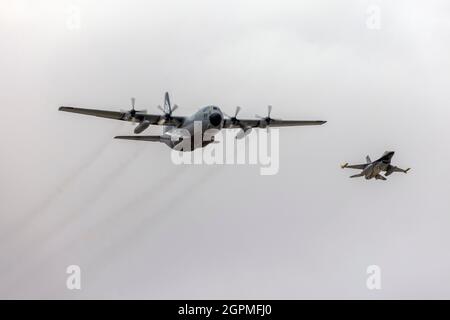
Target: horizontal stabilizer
[(357, 175)]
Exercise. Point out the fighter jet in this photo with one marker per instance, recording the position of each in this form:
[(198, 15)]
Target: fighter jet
[(177, 128), (372, 169)]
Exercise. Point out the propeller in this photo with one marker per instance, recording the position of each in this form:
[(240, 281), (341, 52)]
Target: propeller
[(267, 120), (168, 113), (244, 130), (130, 114), (167, 110), (234, 120)]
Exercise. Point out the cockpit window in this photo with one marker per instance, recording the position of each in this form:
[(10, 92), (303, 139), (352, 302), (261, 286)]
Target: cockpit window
[(210, 108)]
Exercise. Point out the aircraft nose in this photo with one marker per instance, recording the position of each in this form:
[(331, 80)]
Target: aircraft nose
[(215, 119)]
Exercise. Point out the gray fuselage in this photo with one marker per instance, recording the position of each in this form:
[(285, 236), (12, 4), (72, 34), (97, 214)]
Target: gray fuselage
[(208, 119), (374, 169)]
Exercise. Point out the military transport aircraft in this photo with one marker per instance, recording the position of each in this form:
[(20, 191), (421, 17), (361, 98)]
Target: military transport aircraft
[(371, 169), (176, 128)]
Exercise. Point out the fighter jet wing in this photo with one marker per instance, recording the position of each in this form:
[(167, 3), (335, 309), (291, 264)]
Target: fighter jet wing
[(154, 119), (355, 166), (397, 169)]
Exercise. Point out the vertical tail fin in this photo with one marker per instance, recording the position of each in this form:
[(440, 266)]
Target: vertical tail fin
[(368, 159), (167, 106)]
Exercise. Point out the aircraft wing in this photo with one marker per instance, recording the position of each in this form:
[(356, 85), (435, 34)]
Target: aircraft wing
[(397, 169), (355, 166), (97, 113), (154, 119), (257, 123), (139, 138)]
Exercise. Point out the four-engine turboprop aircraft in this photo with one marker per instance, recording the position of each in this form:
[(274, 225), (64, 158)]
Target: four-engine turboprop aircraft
[(178, 128), (372, 169)]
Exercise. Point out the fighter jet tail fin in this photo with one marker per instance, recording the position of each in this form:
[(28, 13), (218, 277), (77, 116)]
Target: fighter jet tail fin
[(380, 177), (368, 159), (357, 175)]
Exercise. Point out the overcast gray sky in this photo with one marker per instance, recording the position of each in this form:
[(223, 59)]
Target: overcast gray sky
[(142, 227)]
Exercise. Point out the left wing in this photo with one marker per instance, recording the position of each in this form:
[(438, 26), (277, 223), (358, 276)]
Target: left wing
[(261, 123), (293, 123), (393, 169), (264, 122), (397, 169), (140, 138)]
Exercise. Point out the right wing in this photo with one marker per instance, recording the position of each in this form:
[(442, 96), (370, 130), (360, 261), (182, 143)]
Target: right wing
[(154, 119), (97, 113), (355, 166)]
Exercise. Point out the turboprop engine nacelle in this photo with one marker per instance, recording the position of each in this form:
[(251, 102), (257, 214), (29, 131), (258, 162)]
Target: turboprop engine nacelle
[(141, 126)]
